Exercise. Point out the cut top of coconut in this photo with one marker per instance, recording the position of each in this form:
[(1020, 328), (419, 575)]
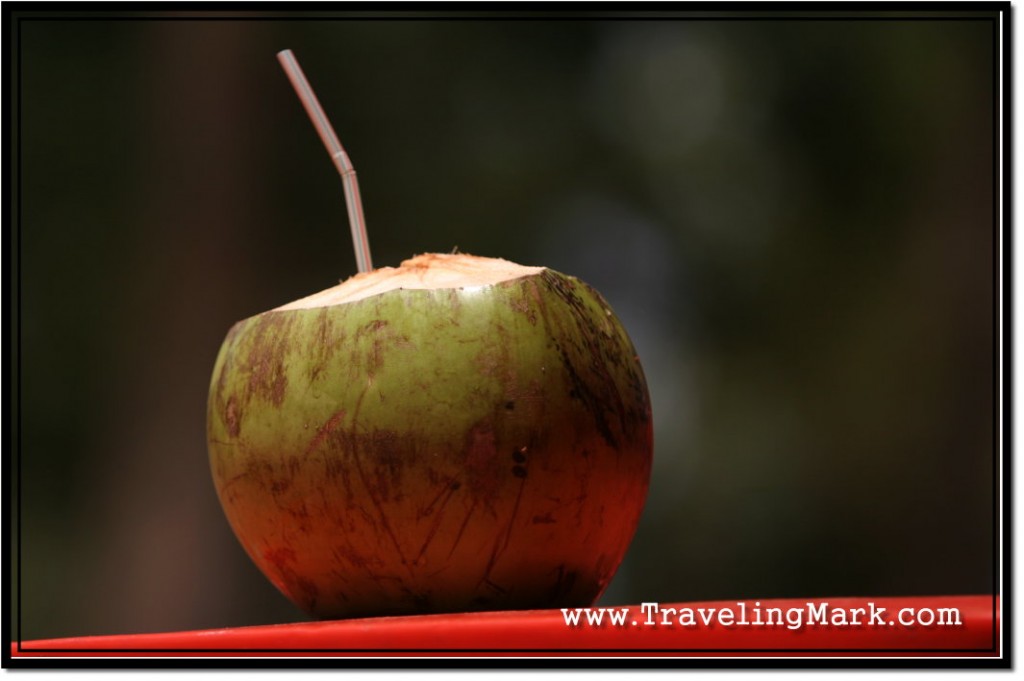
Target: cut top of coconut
[(426, 271)]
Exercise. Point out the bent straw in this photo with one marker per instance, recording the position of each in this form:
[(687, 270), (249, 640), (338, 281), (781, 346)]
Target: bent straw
[(341, 161)]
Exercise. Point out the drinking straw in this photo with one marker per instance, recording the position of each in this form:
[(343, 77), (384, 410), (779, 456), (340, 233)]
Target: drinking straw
[(341, 161)]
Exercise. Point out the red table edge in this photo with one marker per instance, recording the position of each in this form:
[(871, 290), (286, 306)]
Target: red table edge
[(545, 633)]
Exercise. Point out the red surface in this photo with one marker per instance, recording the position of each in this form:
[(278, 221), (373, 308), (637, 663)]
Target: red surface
[(544, 632)]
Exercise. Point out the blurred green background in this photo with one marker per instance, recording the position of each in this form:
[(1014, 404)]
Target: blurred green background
[(793, 218)]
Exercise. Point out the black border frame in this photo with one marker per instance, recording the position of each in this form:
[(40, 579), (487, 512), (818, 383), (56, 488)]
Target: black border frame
[(15, 13)]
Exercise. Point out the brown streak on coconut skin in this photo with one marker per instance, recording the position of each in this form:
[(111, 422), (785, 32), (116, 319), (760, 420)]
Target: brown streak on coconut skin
[(228, 360), (592, 383), (329, 426), (354, 447), (375, 357), (502, 541), (231, 418), (480, 451), (631, 361), (323, 344), (448, 487), (462, 527), (267, 377), (438, 517), (565, 579)]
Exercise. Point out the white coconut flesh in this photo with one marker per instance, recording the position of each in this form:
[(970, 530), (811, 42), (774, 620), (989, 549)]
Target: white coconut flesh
[(427, 271)]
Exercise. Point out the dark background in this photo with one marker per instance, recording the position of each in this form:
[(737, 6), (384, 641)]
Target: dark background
[(792, 217)]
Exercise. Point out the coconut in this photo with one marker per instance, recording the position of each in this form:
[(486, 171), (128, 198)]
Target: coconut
[(455, 434)]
